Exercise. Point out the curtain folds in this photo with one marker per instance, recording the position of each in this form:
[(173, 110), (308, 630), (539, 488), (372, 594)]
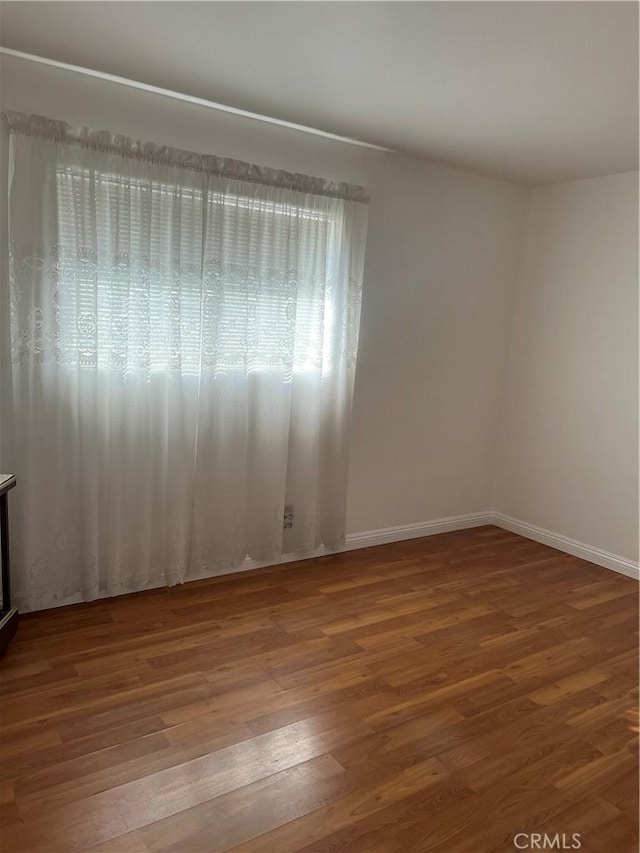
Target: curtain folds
[(183, 334)]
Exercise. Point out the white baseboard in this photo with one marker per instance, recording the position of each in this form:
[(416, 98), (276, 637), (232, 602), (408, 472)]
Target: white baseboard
[(566, 544), (383, 536), (386, 535)]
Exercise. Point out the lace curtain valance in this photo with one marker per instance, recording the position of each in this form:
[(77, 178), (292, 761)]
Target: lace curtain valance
[(224, 167)]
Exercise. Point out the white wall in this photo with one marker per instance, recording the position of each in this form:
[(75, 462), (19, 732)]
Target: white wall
[(440, 280), (569, 439)]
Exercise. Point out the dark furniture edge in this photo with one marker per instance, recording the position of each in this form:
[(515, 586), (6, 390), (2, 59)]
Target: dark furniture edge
[(8, 627)]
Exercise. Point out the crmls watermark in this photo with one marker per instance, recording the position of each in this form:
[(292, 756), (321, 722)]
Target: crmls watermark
[(538, 841)]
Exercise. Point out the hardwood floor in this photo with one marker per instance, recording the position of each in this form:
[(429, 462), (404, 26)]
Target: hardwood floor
[(441, 694)]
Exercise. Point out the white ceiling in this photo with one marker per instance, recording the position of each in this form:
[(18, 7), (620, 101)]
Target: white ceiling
[(529, 91)]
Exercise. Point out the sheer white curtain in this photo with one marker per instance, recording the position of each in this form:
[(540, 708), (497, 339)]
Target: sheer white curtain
[(183, 340)]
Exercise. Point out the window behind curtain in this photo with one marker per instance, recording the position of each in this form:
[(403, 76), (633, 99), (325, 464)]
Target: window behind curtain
[(147, 291)]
